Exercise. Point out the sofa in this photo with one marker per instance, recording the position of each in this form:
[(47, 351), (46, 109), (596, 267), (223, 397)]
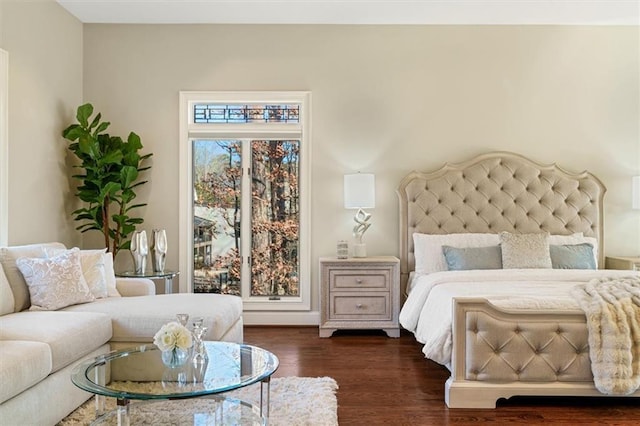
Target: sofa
[(41, 342)]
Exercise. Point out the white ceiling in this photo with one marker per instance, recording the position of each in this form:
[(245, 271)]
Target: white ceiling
[(569, 12)]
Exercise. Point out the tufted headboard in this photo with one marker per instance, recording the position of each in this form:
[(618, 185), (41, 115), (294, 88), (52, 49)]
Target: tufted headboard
[(497, 192)]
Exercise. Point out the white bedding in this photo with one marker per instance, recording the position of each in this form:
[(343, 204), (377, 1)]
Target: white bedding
[(427, 313)]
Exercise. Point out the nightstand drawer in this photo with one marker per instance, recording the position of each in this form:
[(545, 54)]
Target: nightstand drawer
[(360, 306), (349, 279)]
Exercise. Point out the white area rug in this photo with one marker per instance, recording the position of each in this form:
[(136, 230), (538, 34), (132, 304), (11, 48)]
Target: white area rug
[(294, 401)]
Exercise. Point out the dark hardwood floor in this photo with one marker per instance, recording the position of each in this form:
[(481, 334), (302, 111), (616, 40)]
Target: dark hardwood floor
[(388, 381)]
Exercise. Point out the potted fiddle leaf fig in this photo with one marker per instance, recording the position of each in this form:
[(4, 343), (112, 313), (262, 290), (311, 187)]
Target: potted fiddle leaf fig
[(110, 174)]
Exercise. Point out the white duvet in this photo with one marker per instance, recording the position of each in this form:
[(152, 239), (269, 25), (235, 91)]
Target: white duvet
[(427, 313)]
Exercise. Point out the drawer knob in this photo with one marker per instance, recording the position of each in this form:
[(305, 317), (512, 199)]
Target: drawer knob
[(359, 280), (359, 305)]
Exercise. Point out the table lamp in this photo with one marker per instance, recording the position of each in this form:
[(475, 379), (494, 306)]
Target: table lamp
[(360, 193)]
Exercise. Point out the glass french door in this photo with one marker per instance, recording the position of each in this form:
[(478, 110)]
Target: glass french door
[(246, 217)]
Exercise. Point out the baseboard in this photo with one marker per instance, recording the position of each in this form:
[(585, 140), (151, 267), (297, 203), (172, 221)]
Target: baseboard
[(280, 318)]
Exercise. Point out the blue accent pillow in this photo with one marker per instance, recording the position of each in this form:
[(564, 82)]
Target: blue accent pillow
[(572, 256), (463, 259)]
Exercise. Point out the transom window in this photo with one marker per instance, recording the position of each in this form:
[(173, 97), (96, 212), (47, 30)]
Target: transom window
[(243, 113)]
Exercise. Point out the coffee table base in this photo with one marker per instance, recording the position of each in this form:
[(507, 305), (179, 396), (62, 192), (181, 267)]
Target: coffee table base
[(213, 410)]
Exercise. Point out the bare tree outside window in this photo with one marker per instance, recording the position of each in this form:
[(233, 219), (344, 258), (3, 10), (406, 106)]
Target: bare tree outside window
[(274, 177)]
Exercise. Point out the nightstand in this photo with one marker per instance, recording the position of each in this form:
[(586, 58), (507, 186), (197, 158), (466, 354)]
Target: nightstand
[(617, 262), (359, 293)]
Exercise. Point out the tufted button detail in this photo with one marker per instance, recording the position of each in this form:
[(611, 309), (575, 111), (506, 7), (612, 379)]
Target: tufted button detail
[(517, 330), (518, 371), (559, 330), (496, 351)]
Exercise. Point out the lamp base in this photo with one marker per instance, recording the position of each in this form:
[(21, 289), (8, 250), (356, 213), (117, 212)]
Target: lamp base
[(359, 250)]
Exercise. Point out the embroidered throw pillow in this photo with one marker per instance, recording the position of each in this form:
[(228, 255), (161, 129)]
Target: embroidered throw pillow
[(93, 263), (525, 251), (55, 282)]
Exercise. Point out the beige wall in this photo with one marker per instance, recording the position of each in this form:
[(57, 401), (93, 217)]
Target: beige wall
[(387, 99), (45, 85)]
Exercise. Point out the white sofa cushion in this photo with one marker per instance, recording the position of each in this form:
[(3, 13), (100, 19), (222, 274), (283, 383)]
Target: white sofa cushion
[(137, 319), (23, 365), (55, 282), (8, 257), (70, 335), (6, 295)]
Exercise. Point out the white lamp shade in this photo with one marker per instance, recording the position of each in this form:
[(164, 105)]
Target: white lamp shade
[(635, 193), (359, 191)]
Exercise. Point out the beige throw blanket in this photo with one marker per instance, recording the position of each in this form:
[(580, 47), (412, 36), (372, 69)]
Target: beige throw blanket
[(612, 308)]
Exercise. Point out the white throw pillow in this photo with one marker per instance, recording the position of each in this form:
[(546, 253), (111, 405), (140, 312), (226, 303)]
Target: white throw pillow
[(110, 275), (55, 282), (92, 262), (428, 248), (525, 251)]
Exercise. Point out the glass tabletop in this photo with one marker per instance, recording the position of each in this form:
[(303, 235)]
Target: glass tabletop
[(150, 274), (140, 374)]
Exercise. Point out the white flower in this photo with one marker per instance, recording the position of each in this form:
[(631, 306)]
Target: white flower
[(172, 335)]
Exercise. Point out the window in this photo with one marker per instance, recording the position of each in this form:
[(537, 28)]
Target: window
[(4, 148), (244, 197)]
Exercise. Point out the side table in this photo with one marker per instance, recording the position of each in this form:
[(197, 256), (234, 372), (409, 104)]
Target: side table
[(360, 293), (166, 275), (619, 262)]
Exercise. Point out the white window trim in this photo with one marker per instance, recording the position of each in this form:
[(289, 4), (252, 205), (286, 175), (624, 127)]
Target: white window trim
[(190, 130), (4, 148)]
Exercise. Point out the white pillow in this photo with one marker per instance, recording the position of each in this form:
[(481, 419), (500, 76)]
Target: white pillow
[(92, 263), (93, 270), (525, 251), (428, 248), (110, 275), (55, 282)]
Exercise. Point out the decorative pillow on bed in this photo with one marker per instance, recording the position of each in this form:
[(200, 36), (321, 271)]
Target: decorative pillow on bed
[(577, 238), (524, 251), (55, 282), (463, 259), (576, 256), (428, 248)]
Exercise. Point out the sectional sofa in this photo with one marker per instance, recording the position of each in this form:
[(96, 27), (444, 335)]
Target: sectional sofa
[(39, 348)]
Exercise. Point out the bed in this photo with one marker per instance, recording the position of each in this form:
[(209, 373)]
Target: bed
[(501, 332)]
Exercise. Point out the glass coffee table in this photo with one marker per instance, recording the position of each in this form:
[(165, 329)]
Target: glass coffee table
[(139, 374)]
